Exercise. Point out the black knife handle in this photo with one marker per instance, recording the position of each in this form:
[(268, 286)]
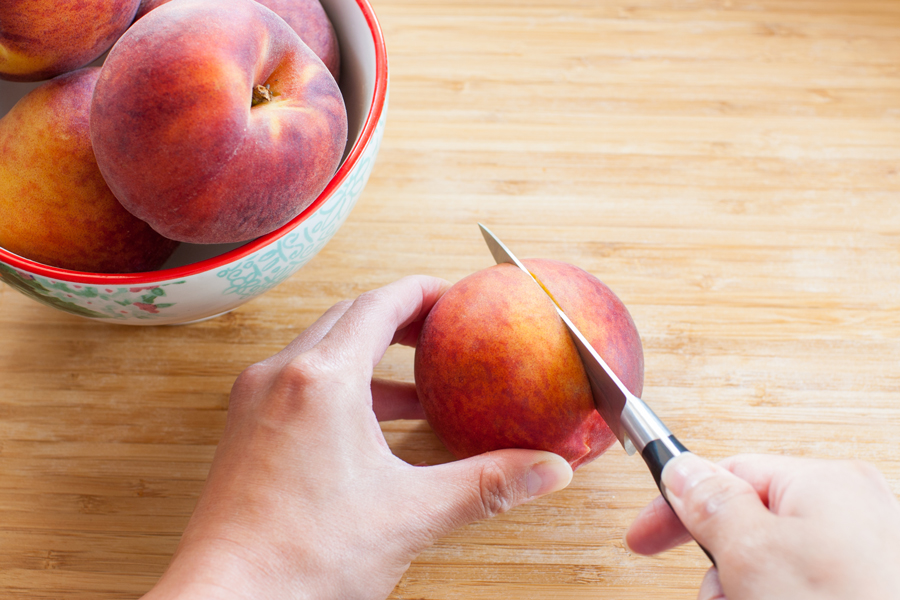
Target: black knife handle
[(657, 454)]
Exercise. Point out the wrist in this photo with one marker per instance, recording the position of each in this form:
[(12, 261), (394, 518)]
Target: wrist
[(220, 570)]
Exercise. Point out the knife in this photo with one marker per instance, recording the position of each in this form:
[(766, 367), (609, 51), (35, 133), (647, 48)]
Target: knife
[(635, 425)]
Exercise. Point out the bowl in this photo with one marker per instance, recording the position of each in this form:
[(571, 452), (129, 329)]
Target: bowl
[(203, 281)]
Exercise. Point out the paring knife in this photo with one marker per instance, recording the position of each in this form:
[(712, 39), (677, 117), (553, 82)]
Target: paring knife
[(637, 428)]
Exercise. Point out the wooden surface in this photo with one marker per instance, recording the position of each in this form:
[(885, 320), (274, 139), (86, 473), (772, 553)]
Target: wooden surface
[(730, 168)]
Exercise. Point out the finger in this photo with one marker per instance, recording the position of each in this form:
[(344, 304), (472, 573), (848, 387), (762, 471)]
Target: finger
[(370, 324), (711, 588), (656, 529), (775, 477), (715, 505), (409, 335), (393, 400), (312, 335), (761, 471), (486, 485)]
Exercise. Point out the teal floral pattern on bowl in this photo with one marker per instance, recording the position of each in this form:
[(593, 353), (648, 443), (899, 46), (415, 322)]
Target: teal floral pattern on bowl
[(206, 294), (199, 281), (94, 302)]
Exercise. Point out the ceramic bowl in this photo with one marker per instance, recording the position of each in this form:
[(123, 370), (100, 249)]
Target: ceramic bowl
[(203, 281)]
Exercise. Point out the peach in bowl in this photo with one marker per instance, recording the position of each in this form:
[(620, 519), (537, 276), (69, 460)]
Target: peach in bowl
[(207, 274)]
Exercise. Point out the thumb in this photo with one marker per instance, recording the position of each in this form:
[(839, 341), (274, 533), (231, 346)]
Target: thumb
[(486, 485), (711, 587), (715, 506)]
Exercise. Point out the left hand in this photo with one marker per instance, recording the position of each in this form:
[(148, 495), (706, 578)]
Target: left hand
[(304, 498)]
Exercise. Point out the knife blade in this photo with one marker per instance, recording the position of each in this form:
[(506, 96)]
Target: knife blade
[(635, 425)]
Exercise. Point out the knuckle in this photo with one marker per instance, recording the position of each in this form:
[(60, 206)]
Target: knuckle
[(745, 554), (380, 301), (247, 384), (301, 372), (498, 490), (371, 298), (251, 377), (713, 506), (708, 499), (294, 383), (342, 305)]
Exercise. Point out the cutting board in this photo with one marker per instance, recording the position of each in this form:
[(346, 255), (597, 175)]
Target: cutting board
[(731, 169)]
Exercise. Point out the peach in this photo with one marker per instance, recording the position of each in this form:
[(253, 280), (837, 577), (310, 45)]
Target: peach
[(306, 17), (40, 39), (148, 5), (55, 207), (495, 367), (214, 122)]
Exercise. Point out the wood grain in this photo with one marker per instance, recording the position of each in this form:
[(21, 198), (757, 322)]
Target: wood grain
[(730, 168)]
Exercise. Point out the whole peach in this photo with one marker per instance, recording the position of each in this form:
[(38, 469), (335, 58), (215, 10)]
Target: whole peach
[(55, 207), (40, 39), (495, 366), (214, 122), (306, 17)]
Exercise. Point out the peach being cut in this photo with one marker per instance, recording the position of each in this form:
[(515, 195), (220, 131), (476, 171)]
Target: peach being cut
[(213, 122), (55, 207), (495, 366), (40, 39)]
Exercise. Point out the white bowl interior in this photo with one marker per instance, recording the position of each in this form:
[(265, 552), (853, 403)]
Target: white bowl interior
[(357, 86)]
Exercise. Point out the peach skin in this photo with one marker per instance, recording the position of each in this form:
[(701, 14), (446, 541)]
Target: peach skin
[(214, 122), (55, 207), (306, 17), (495, 366), (40, 39)]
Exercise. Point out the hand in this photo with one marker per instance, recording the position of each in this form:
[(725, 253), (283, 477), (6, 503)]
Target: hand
[(780, 527), (304, 498)]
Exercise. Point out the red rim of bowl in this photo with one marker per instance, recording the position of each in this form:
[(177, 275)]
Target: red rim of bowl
[(208, 264)]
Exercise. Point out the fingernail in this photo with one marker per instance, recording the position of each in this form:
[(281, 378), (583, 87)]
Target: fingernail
[(684, 472), (548, 476), (627, 545)]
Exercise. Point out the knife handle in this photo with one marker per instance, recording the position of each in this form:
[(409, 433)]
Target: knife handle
[(656, 454)]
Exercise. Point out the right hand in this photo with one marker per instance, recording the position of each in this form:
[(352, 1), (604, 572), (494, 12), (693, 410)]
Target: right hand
[(780, 527)]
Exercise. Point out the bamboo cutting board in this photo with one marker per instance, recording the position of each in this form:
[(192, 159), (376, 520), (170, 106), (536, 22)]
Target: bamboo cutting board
[(730, 168)]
